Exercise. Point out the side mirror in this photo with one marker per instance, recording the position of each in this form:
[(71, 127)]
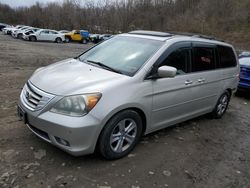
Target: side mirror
[(166, 72)]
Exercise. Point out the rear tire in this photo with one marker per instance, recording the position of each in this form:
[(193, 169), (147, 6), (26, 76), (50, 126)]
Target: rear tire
[(58, 40), (221, 106), (120, 135)]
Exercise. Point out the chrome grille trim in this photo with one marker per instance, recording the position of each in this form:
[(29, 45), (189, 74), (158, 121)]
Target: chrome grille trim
[(33, 98)]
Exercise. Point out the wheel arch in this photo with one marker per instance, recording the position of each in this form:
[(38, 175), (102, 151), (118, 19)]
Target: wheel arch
[(229, 91)]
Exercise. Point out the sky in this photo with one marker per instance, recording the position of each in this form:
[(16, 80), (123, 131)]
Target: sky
[(18, 3)]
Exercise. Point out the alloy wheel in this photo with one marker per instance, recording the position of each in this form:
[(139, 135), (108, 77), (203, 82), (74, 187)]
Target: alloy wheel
[(123, 135), (222, 105)]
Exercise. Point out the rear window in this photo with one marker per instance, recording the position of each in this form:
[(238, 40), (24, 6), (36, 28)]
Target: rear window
[(52, 32), (227, 57)]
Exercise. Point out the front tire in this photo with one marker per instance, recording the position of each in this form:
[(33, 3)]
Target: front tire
[(120, 135), (221, 106), (33, 39), (84, 41), (19, 36)]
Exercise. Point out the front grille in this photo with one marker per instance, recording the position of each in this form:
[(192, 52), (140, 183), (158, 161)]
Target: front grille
[(34, 98)]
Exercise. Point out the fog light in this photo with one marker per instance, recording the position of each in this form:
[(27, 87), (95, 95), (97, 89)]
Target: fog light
[(62, 141)]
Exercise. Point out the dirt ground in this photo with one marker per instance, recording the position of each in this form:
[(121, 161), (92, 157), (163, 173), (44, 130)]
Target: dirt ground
[(199, 153)]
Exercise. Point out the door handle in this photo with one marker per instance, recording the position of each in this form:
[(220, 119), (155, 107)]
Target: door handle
[(188, 82), (201, 80)]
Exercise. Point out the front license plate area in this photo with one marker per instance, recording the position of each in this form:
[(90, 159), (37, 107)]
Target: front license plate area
[(22, 114)]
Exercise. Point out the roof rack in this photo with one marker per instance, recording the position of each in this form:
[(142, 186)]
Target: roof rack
[(170, 34), (197, 35), (151, 33)]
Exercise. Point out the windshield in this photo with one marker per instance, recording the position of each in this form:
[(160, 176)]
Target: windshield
[(123, 54), (245, 61)]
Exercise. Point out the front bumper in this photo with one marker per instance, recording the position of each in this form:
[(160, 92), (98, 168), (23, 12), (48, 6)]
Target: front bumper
[(75, 135), (14, 35), (25, 37)]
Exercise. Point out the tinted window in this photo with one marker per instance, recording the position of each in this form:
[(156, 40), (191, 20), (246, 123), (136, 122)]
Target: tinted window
[(180, 59), (227, 57), (204, 59), (45, 32)]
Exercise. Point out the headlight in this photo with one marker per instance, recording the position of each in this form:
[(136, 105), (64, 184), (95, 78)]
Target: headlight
[(78, 105)]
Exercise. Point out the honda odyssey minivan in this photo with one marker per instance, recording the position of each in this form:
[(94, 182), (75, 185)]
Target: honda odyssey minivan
[(128, 86)]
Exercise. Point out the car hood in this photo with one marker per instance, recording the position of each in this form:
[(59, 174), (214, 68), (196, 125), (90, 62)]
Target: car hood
[(72, 76)]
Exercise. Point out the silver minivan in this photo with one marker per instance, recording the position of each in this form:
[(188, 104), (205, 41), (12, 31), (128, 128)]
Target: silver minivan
[(126, 87)]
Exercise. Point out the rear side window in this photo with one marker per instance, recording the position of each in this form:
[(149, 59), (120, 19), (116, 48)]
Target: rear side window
[(53, 32), (204, 59), (45, 32), (227, 57)]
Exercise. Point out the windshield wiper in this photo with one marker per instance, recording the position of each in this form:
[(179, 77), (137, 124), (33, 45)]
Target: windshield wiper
[(104, 66)]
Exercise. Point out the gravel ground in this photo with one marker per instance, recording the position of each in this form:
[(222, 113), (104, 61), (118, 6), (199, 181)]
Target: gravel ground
[(198, 153)]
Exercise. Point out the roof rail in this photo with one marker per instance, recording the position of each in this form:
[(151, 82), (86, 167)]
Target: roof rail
[(197, 35), (151, 33)]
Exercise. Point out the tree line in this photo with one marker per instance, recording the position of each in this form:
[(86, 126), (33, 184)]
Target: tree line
[(228, 19)]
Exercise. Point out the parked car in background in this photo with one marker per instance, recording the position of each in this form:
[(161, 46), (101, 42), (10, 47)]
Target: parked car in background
[(128, 86), (26, 33), (85, 36), (17, 33), (47, 35), (105, 36), (13, 31), (78, 36), (95, 38), (244, 54), (244, 83), (8, 30), (3, 25)]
